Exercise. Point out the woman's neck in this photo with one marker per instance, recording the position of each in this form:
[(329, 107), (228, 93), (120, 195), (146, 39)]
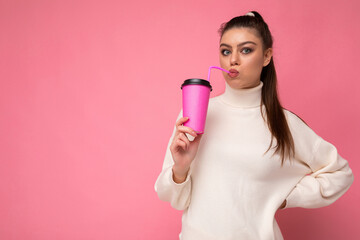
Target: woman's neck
[(243, 98)]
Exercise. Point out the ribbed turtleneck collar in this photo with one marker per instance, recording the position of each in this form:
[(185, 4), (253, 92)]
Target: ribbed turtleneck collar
[(244, 98)]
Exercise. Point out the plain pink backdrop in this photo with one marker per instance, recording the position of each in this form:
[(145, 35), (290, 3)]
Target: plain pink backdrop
[(90, 91)]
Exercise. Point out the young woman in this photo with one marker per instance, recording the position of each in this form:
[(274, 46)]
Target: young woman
[(254, 158)]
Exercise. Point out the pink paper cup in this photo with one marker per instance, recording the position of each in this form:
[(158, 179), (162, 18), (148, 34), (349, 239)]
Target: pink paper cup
[(195, 101)]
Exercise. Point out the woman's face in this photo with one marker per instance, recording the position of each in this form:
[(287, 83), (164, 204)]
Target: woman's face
[(242, 51)]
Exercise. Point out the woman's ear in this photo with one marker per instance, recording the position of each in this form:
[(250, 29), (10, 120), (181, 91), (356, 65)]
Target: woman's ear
[(267, 56)]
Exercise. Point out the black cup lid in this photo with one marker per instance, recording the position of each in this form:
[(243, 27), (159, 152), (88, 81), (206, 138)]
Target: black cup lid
[(197, 81)]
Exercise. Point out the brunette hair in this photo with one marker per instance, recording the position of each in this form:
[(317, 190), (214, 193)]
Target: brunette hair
[(276, 122)]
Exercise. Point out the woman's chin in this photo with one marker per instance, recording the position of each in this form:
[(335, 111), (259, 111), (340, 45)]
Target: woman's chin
[(233, 80)]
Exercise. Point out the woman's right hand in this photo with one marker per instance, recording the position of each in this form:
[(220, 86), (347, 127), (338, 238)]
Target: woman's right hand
[(183, 150)]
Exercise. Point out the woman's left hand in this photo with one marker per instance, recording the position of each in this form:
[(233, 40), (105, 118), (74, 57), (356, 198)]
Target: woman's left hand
[(283, 204)]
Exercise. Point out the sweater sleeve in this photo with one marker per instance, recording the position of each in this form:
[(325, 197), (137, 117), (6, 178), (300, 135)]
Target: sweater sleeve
[(329, 179), (177, 194)]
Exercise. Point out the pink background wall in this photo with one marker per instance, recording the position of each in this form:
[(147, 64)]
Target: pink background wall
[(90, 91)]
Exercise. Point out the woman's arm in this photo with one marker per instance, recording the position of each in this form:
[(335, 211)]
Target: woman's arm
[(331, 177), (168, 187)]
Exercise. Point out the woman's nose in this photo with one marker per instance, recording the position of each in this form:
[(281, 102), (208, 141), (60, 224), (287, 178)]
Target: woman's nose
[(234, 60)]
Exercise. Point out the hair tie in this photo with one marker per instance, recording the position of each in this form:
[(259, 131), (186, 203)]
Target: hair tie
[(250, 14)]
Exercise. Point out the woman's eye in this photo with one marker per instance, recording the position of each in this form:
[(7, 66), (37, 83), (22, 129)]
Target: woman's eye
[(246, 52), (225, 52)]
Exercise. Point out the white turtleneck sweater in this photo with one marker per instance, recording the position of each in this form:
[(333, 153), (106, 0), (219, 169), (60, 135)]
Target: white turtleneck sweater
[(233, 189)]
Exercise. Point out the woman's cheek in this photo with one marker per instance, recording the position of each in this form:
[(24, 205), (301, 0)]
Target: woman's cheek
[(256, 66)]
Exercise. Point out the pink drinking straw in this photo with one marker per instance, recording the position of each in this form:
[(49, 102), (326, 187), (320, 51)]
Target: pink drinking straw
[(217, 68)]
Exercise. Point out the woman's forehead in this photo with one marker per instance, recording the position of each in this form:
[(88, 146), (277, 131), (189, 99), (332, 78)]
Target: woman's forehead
[(236, 35)]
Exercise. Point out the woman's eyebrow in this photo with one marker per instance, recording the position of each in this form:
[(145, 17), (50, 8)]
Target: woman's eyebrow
[(240, 44)]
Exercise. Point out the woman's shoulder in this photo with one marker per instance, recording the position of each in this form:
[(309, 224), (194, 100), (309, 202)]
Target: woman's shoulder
[(293, 117), (298, 127)]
